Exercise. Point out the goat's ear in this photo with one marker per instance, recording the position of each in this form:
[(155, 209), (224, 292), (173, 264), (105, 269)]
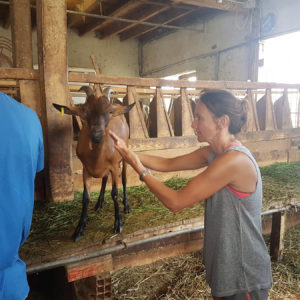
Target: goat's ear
[(122, 109), (68, 110)]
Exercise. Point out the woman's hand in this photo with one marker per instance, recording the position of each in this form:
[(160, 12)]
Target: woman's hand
[(127, 154)]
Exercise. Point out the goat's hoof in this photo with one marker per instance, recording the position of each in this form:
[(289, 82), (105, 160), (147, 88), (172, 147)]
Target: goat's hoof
[(118, 228), (77, 236), (97, 207)]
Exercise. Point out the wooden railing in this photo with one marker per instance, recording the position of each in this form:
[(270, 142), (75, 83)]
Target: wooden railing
[(269, 132)]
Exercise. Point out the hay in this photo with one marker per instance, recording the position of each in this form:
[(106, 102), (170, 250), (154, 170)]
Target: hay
[(183, 277)]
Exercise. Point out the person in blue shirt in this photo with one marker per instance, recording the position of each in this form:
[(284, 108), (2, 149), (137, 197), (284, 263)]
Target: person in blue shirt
[(21, 157)]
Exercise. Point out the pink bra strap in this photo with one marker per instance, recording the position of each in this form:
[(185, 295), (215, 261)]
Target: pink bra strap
[(237, 193), (233, 144)]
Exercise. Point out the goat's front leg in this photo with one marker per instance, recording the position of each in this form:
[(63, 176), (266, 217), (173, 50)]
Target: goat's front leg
[(79, 232), (100, 201), (125, 198), (118, 226)]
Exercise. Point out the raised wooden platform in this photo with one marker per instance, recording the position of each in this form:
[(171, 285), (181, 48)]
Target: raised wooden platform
[(145, 246)]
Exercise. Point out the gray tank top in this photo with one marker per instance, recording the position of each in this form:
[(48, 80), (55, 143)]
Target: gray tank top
[(235, 255)]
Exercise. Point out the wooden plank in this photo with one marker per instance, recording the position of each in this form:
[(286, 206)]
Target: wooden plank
[(21, 33), (144, 14), (187, 114), (156, 251), (98, 87), (159, 121), (19, 73), (88, 268), (199, 84), (277, 235), (252, 120), (52, 49), (270, 121), (282, 112), (95, 25), (265, 112), (136, 120), (165, 17)]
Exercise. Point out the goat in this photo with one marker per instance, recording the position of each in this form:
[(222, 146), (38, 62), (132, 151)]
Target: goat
[(96, 151)]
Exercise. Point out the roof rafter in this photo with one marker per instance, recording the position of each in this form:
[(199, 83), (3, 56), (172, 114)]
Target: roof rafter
[(224, 5), (119, 27), (121, 11), (167, 18)]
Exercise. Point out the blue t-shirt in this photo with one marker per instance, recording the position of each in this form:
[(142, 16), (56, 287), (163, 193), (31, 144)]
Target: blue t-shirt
[(21, 156)]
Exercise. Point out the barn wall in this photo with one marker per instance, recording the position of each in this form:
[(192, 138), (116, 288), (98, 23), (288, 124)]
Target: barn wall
[(223, 50), (113, 57), (219, 49)]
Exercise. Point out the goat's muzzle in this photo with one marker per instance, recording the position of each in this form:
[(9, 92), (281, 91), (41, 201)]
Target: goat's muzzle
[(97, 136)]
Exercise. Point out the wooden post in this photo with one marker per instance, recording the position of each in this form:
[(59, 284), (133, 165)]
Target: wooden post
[(187, 114), (265, 112), (21, 33), (283, 112), (52, 54), (98, 87), (22, 52), (22, 58), (159, 121), (277, 235), (136, 120), (252, 120)]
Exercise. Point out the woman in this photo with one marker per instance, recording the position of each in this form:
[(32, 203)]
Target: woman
[(235, 255)]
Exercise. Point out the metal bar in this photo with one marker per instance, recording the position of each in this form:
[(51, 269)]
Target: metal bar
[(155, 25)]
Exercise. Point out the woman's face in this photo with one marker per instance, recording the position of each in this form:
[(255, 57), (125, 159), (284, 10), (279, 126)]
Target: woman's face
[(204, 123)]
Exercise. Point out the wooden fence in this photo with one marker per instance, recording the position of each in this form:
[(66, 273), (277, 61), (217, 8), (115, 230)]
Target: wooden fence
[(166, 129)]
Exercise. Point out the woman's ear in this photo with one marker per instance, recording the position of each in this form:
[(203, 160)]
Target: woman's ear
[(223, 121)]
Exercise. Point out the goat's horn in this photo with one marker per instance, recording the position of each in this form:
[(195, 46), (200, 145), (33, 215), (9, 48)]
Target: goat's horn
[(87, 90), (106, 92)]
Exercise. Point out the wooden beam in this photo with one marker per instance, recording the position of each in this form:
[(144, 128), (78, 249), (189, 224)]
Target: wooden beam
[(21, 33), (225, 5), (277, 235), (164, 18), (19, 73), (52, 54), (159, 121), (283, 112), (252, 120), (123, 10), (201, 84), (187, 114), (136, 119), (87, 6), (146, 14)]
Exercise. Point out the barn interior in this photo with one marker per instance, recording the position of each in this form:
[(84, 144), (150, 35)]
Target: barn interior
[(159, 51)]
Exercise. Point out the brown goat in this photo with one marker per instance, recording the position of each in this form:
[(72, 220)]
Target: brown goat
[(96, 151)]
